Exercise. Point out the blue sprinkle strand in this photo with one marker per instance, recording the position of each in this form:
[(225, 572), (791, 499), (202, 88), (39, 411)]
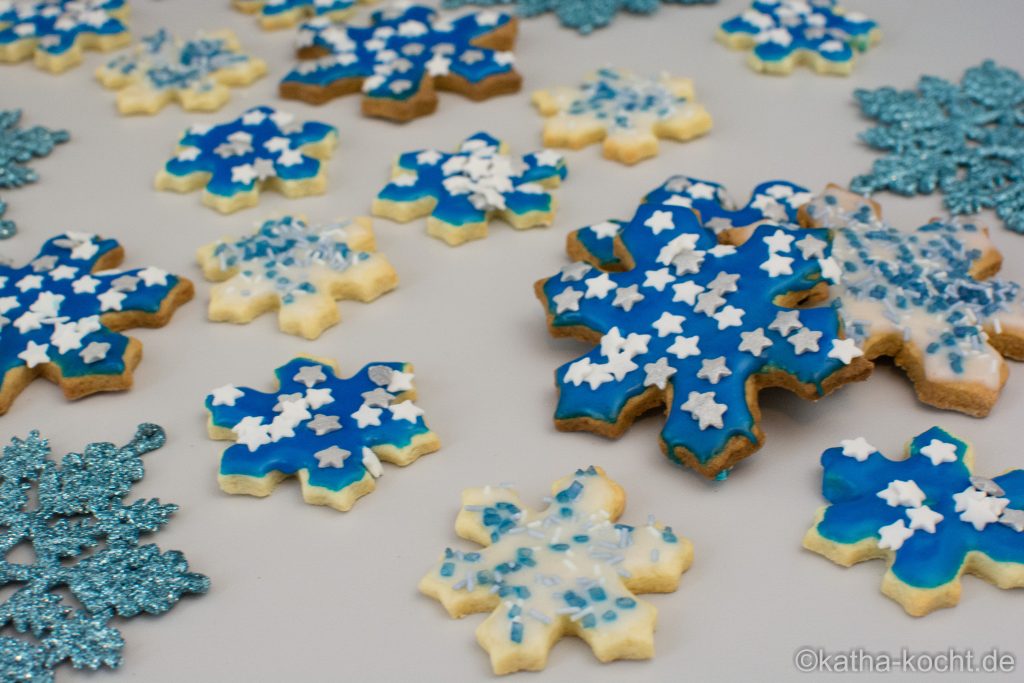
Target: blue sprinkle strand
[(18, 146), (582, 15), (80, 506), (965, 140), (55, 27)]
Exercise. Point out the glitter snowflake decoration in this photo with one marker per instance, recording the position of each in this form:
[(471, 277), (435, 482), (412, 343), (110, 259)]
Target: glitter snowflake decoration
[(697, 325), (582, 15), (195, 72), (403, 57), (18, 146), (965, 140), (461, 191), (60, 315), (264, 147), (923, 298), (275, 14), (571, 569), (926, 515), (330, 432), (56, 32), (628, 112), (85, 541), (784, 33), (298, 268)]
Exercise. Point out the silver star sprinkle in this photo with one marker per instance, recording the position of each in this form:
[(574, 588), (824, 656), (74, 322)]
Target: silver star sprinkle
[(1013, 518), (713, 369), (310, 375), (378, 398), (324, 424), (125, 283), (658, 373), (332, 457), (380, 375), (987, 486)]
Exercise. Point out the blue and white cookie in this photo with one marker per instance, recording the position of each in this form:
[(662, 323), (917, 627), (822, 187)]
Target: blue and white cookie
[(55, 33)]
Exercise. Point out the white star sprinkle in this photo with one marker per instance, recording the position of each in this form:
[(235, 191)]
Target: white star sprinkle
[(905, 493), (225, 395), (845, 350), (858, 449), (703, 408), (893, 535), (939, 452)]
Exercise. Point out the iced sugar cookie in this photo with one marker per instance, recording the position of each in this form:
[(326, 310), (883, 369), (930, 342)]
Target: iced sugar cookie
[(60, 316), (781, 34), (56, 32), (925, 298), (403, 57), (297, 269), (927, 516), (460, 192), (198, 73), (263, 148), (331, 433), (700, 327), (626, 111), (274, 14), (570, 569)]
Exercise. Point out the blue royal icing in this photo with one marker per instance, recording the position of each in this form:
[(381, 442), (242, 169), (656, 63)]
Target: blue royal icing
[(782, 29), (330, 429), (270, 9), (402, 50), (928, 509), (697, 317), (239, 155), (18, 146), (961, 139), (51, 309), (467, 186), (57, 25), (582, 16)]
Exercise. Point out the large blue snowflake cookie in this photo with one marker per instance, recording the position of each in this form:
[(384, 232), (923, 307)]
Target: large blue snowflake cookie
[(262, 148), (55, 33), (331, 433), (571, 569), (928, 516), (403, 57), (460, 192), (18, 146), (582, 15), (699, 326), (781, 34), (86, 544), (60, 316), (274, 14)]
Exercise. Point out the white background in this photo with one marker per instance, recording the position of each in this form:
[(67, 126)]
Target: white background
[(304, 593)]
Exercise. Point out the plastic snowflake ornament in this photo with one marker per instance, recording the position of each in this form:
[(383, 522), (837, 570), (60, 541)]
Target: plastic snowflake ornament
[(18, 146), (331, 433), (264, 147), (964, 140), (85, 540), (460, 192), (781, 34), (403, 57), (928, 516), (195, 72), (274, 14), (582, 15), (60, 316), (571, 569), (56, 32), (699, 326)]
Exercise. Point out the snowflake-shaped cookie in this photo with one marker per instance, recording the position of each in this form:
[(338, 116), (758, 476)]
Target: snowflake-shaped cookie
[(568, 570), (196, 72), (774, 201), (402, 58), (781, 34), (965, 140), (297, 269), (18, 146), (699, 326), (460, 193), (60, 316), (56, 32), (582, 15), (263, 148), (927, 516), (924, 299), (628, 112), (85, 541), (275, 14), (330, 432)]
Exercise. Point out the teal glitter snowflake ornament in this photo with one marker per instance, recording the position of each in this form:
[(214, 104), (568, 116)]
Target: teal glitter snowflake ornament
[(80, 507), (582, 15), (965, 140), (18, 146)]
